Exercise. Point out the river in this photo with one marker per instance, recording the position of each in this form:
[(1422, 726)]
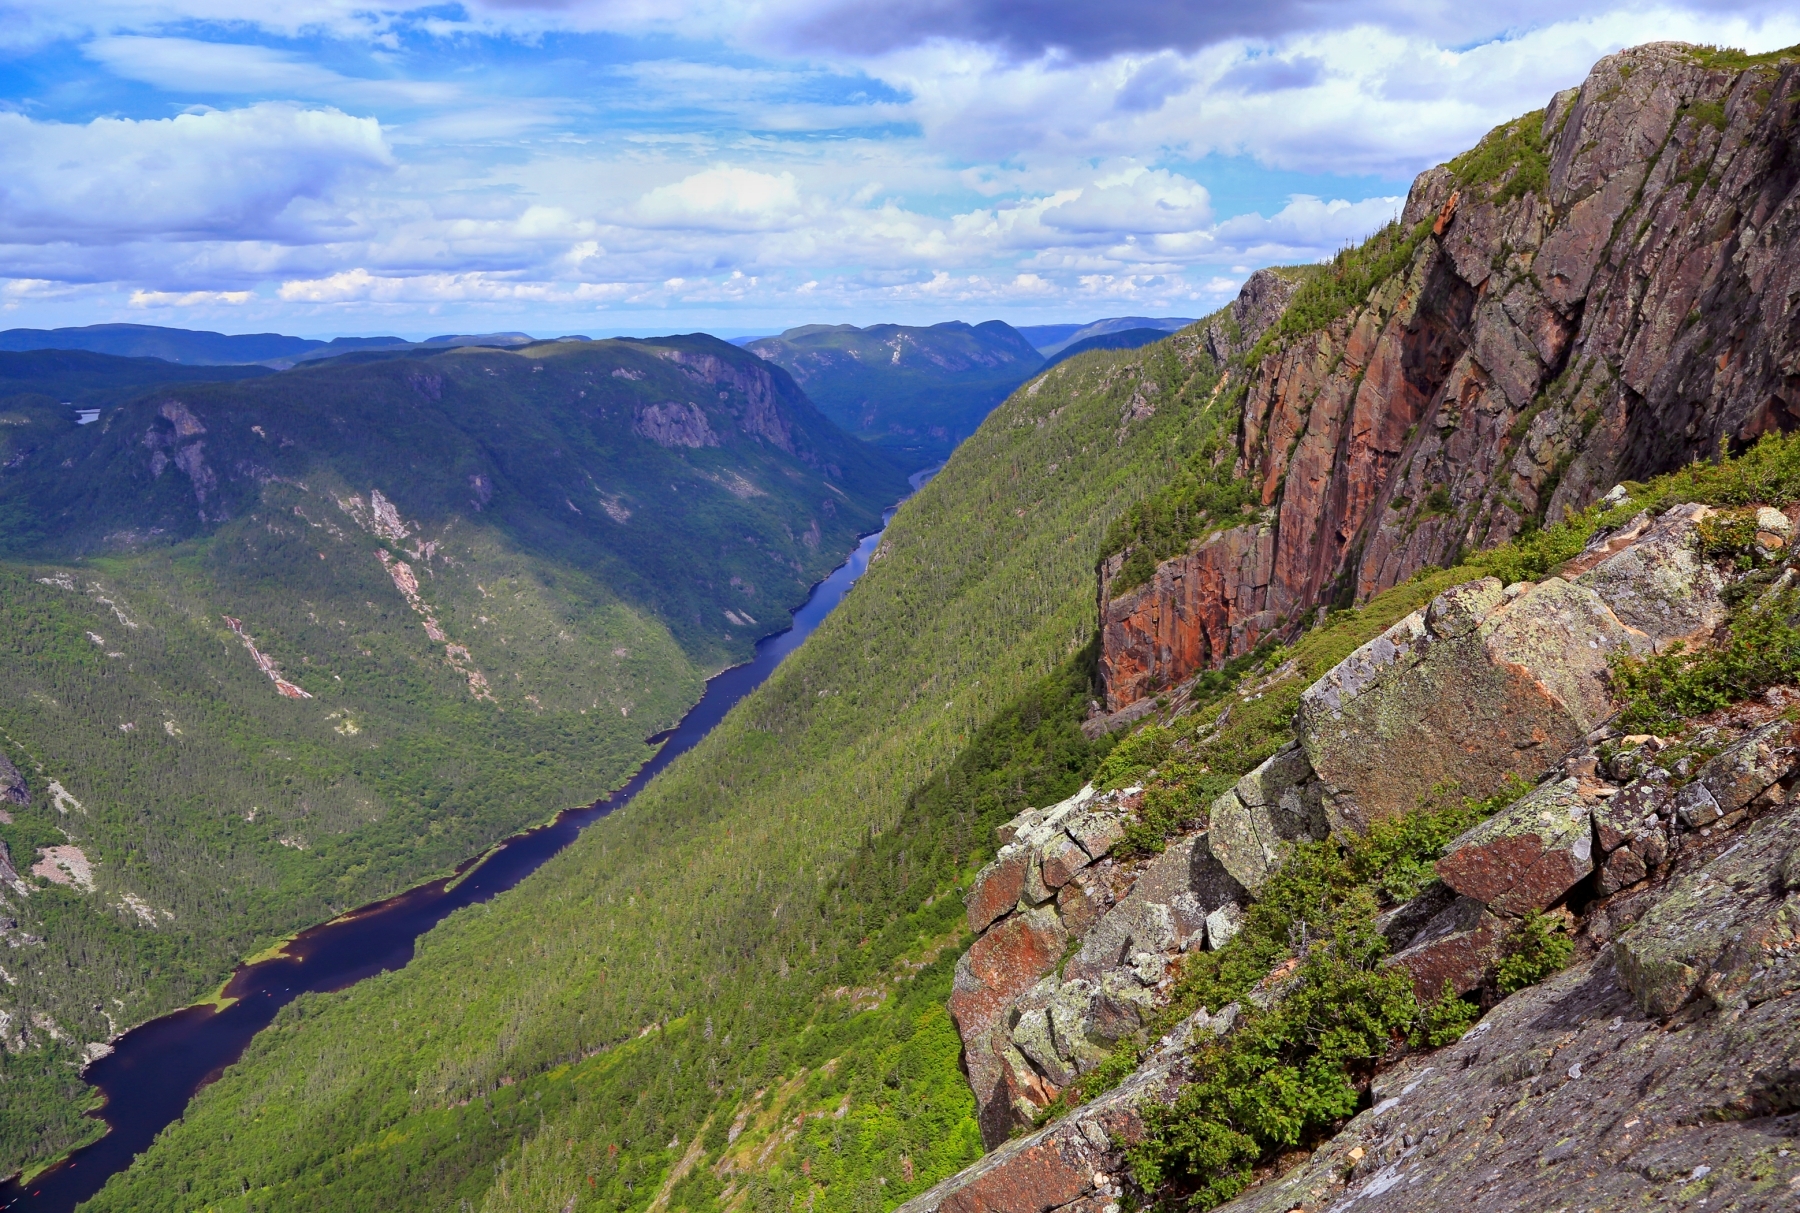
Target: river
[(155, 1068)]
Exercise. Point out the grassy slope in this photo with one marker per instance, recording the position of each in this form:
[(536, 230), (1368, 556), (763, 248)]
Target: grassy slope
[(233, 815), (916, 392), (725, 905)]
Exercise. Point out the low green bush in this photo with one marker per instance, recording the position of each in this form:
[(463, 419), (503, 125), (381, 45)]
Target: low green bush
[(1763, 649), (1444, 1021), (1288, 1072), (1532, 951), (1283, 1075)]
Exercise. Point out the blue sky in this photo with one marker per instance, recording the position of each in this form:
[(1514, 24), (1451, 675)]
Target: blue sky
[(622, 166)]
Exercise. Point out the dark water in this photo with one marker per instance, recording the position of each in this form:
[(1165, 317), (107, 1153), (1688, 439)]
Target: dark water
[(156, 1068)]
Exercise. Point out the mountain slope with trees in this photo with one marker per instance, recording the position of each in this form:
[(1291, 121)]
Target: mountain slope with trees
[(915, 392), (766, 926), (276, 648)]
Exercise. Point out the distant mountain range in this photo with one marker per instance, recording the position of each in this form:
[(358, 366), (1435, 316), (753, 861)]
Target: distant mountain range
[(1053, 339), (1123, 339), (915, 391), (193, 347), (61, 377)]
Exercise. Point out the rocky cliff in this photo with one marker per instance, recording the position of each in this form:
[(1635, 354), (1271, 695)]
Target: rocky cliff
[(1600, 291), (1660, 1067)]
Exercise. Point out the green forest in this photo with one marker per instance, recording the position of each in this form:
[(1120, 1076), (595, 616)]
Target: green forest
[(331, 678), (771, 925)]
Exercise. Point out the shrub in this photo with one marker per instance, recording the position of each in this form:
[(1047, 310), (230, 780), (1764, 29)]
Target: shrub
[(1515, 148), (1445, 1021), (1534, 950), (1729, 536), (1283, 1075), (1763, 649), (1196, 504)]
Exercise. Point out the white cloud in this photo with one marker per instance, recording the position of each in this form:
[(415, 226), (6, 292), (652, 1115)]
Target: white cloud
[(933, 173), (242, 174), (723, 197), (188, 298), (1139, 201), (360, 286)]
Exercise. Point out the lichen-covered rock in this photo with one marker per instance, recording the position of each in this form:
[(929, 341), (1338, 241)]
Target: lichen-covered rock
[(1653, 577), (1486, 682), (997, 887), (1526, 856), (1165, 912), (1621, 869), (1060, 859), (1457, 946), (1027, 1033), (1223, 924), (1097, 833), (1722, 931), (1640, 807), (1042, 850), (1743, 771), (1251, 826), (1402, 924)]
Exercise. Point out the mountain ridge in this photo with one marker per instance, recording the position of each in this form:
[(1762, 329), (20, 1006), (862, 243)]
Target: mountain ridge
[(913, 389)]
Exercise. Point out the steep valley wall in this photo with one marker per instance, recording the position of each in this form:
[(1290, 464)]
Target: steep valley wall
[(1601, 291)]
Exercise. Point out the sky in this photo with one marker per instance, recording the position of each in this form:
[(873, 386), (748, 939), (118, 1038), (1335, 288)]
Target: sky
[(334, 167)]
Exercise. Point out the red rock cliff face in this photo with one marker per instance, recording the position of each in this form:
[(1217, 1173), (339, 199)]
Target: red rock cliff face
[(1197, 611), (1639, 309)]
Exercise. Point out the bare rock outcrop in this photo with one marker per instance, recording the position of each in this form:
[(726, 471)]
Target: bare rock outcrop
[(672, 423), (1198, 610), (1490, 681), (1029, 1027), (1617, 302), (1259, 304), (1076, 1164), (752, 396), (1728, 933)]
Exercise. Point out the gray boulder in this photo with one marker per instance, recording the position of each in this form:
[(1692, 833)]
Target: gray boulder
[(1251, 827)]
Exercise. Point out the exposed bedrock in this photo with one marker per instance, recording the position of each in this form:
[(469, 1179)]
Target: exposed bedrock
[(1543, 344), (1077, 949), (1489, 681)]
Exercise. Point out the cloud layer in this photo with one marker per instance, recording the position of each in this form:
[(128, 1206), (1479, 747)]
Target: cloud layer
[(615, 164)]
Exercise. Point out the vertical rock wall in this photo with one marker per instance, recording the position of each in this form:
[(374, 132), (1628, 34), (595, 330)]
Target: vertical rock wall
[(1617, 305)]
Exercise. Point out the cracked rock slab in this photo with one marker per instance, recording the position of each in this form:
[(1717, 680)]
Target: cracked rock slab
[(1486, 682), (1723, 932), (1526, 856)]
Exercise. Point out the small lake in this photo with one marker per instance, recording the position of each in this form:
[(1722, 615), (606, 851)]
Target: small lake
[(155, 1068)]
